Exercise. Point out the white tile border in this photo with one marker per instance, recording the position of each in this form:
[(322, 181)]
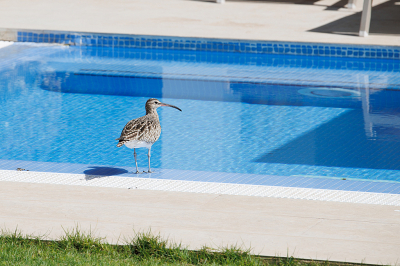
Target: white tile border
[(200, 187), (5, 44)]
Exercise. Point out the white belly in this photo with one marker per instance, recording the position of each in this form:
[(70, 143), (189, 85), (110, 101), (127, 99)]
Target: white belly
[(138, 144)]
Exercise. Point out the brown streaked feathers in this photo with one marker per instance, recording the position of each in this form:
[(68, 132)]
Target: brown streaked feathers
[(146, 128)]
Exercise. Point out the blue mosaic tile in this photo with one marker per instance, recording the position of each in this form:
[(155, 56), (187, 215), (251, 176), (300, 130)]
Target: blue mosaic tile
[(199, 44)]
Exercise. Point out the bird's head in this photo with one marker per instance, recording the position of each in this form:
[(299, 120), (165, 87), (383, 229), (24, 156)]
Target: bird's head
[(152, 104)]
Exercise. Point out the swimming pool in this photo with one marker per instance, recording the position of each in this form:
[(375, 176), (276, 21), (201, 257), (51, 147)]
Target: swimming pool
[(252, 114)]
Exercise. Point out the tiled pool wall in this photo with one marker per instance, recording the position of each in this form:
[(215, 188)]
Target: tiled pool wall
[(200, 44)]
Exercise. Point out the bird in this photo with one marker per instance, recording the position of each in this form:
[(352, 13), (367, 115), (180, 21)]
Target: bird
[(144, 131)]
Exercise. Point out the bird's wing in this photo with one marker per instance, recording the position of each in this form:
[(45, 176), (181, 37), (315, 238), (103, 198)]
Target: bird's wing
[(133, 130)]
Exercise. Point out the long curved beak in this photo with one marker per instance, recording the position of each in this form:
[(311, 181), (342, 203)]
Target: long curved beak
[(169, 105)]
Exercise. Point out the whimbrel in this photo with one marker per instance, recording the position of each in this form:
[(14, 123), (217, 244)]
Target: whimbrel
[(142, 132)]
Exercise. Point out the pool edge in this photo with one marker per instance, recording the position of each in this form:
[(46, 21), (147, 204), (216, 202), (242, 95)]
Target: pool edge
[(200, 44), (292, 187)]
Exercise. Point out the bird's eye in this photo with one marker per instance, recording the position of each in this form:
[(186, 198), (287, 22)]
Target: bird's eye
[(157, 102)]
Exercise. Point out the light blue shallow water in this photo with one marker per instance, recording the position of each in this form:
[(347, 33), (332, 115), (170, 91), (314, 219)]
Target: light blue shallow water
[(257, 114)]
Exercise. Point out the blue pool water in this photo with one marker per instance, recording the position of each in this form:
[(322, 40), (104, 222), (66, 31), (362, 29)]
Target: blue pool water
[(242, 113)]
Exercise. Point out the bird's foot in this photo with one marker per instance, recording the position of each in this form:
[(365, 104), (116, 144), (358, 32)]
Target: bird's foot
[(137, 172), (149, 172)]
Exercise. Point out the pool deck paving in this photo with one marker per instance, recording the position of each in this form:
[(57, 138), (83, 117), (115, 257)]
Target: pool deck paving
[(270, 226), (325, 21)]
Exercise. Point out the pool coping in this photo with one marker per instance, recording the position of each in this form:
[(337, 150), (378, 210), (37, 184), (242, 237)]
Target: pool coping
[(292, 187)]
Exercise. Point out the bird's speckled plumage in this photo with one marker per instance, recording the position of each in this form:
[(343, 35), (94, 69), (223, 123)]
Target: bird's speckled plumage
[(143, 131), (146, 128)]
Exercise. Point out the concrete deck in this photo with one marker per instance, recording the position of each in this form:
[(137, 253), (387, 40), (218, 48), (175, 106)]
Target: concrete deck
[(306, 229), (281, 20), (302, 228)]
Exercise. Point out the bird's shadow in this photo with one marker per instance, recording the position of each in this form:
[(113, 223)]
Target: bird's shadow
[(100, 171)]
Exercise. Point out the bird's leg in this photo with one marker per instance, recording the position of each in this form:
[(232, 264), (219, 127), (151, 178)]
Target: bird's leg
[(148, 156), (134, 154)]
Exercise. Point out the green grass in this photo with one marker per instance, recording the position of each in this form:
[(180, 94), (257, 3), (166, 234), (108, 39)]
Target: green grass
[(78, 248)]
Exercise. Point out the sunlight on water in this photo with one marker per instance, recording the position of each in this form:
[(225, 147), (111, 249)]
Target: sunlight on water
[(240, 114)]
